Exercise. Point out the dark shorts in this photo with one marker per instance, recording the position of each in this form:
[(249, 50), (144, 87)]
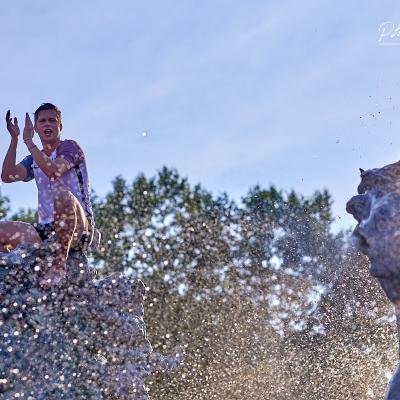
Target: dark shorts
[(45, 231), (48, 231)]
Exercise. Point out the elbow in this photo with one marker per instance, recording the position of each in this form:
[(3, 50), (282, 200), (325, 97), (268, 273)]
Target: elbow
[(53, 170), (50, 172), (6, 179), (53, 175)]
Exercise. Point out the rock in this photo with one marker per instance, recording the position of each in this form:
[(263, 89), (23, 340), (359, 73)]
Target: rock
[(83, 340)]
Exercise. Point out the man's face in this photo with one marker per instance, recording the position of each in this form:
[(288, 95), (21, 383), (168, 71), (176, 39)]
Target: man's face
[(48, 126), (377, 234)]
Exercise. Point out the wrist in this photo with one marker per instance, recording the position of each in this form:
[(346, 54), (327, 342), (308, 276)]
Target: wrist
[(30, 144)]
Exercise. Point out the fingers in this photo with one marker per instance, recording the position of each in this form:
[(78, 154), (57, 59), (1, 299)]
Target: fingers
[(28, 129), (12, 127), (9, 119), (28, 120)]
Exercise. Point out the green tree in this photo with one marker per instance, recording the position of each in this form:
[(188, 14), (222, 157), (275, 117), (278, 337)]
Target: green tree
[(162, 228), (4, 207), (25, 215)]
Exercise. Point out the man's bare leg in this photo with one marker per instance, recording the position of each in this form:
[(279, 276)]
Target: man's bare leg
[(13, 233), (70, 223)]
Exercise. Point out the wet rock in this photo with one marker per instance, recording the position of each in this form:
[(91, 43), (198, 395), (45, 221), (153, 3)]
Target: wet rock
[(83, 340)]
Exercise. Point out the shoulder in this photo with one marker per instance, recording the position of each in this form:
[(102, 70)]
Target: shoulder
[(68, 144), (71, 151), (27, 161)]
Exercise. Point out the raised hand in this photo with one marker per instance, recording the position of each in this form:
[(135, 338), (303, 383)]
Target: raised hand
[(13, 128), (28, 129)]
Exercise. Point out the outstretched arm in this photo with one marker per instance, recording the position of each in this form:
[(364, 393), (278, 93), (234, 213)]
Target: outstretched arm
[(10, 171)]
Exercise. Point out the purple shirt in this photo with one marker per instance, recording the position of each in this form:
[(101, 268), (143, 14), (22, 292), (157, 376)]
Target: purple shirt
[(76, 179)]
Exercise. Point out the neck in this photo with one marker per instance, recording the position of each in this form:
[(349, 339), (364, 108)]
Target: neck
[(50, 147)]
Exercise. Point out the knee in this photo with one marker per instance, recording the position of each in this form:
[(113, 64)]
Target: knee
[(3, 226), (64, 205), (60, 190), (32, 236), (62, 197)]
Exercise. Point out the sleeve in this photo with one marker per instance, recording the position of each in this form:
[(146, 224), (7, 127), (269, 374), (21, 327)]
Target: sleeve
[(70, 150), (27, 162)]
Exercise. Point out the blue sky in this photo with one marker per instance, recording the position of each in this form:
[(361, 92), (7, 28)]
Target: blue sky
[(231, 93)]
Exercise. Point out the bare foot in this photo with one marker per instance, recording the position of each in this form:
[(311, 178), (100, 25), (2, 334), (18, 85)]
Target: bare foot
[(53, 277)]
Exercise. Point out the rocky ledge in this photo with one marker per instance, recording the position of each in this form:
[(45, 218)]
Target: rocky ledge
[(83, 340)]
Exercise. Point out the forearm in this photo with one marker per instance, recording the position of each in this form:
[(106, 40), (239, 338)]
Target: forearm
[(9, 164), (44, 163)]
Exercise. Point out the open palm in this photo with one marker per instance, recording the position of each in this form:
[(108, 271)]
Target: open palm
[(13, 128), (28, 129)]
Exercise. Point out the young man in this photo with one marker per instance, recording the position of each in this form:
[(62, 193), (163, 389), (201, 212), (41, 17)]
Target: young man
[(63, 189)]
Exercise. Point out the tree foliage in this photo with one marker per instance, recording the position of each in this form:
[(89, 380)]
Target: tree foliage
[(238, 282)]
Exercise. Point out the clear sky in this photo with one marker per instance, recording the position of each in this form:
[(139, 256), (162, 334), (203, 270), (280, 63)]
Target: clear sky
[(299, 94)]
